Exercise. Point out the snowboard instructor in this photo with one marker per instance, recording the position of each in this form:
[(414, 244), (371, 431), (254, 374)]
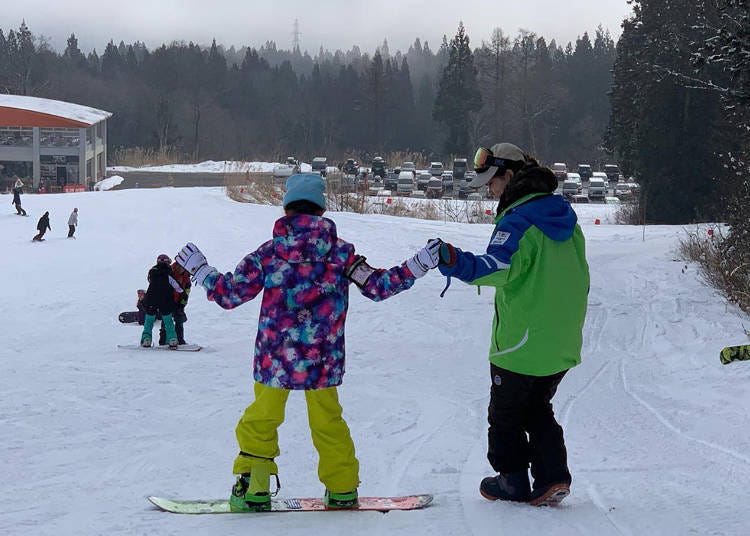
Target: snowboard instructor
[(536, 260)]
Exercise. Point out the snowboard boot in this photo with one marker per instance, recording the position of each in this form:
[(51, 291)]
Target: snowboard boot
[(251, 492), (341, 501), (173, 344), (550, 494), (148, 329), (506, 487)]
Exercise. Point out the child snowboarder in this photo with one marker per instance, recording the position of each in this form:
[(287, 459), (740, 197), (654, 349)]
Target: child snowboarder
[(141, 306), (180, 301), (159, 300), (42, 226), (304, 273)]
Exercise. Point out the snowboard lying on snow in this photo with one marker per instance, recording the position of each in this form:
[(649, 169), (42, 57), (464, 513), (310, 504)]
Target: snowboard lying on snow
[(221, 506), (180, 348)]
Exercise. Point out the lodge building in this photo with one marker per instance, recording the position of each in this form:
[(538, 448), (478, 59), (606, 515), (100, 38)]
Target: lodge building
[(50, 144)]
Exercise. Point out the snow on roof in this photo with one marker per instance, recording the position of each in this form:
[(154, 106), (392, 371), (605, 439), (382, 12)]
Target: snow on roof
[(76, 113)]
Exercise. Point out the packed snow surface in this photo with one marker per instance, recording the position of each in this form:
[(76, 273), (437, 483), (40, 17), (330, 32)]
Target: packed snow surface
[(657, 430)]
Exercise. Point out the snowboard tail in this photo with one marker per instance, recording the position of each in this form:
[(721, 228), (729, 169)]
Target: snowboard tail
[(735, 353), (128, 317), (308, 504)]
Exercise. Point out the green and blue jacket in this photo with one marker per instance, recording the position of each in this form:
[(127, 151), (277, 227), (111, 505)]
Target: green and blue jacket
[(536, 260)]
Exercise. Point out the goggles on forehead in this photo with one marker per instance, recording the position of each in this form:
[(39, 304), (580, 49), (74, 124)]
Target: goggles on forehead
[(484, 159)]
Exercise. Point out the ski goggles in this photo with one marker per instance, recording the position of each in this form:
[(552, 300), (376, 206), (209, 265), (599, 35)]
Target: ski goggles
[(484, 160)]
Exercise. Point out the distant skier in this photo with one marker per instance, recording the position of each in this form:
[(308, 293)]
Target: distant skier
[(161, 285), (17, 191), (538, 325), (42, 226), (304, 273), (72, 223)]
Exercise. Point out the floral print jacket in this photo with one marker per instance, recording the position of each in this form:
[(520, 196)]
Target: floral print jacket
[(300, 340)]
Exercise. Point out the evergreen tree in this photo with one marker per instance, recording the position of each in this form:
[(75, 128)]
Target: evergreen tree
[(667, 134), (458, 95), (375, 92), (112, 62), (494, 59), (73, 54)]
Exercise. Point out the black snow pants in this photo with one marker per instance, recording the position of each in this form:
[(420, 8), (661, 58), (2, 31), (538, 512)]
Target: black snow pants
[(523, 430)]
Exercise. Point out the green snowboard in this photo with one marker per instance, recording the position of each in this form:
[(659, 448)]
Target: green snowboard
[(735, 353)]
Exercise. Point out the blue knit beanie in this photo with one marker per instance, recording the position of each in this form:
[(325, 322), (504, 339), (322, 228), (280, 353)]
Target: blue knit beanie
[(305, 186)]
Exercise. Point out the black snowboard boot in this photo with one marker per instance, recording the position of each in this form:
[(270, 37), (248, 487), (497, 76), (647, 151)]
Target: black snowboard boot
[(510, 487)]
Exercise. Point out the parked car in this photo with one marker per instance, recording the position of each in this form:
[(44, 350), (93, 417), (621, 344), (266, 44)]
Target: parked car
[(391, 181), (470, 175), (575, 177), (405, 184), (423, 179), (350, 167), (464, 191), (418, 194), (285, 169), (320, 165), (459, 168), (569, 189), (622, 190), (378, 167), (597, 188), (612, 200), (409, 166), (584, 170), (612, 171), (436, 169), (580, 198), (474, 196), (447, 177), (435, 188), (560, 169)]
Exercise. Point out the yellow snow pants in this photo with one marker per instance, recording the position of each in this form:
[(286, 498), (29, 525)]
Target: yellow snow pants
[(338, 467)]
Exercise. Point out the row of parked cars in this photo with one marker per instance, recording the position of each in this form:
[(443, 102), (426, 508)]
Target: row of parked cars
[(585, 172)]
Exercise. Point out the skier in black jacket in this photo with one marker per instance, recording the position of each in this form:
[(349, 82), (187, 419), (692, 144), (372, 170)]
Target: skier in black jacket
[(42, 227), (159, 299)]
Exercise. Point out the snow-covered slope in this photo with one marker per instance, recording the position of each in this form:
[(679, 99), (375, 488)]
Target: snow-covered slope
[(658, 431)]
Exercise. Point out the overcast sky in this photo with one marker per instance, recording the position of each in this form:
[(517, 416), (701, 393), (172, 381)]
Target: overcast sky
[(333, 24)]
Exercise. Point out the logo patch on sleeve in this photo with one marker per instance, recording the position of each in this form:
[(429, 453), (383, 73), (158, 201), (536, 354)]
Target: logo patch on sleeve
[(500, 238)]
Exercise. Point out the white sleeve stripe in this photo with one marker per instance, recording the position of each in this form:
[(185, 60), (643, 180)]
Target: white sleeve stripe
[(499, 265), (175, 285)]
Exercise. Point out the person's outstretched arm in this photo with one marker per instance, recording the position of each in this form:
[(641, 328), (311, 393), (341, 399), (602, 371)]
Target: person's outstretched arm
[(491, 267), (230, 289), (379, 284)]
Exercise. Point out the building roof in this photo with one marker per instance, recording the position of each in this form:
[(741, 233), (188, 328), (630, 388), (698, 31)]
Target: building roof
[(22, 111)]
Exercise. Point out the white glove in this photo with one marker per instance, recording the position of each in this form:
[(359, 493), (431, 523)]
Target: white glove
[(426, 258), (193, 260)]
